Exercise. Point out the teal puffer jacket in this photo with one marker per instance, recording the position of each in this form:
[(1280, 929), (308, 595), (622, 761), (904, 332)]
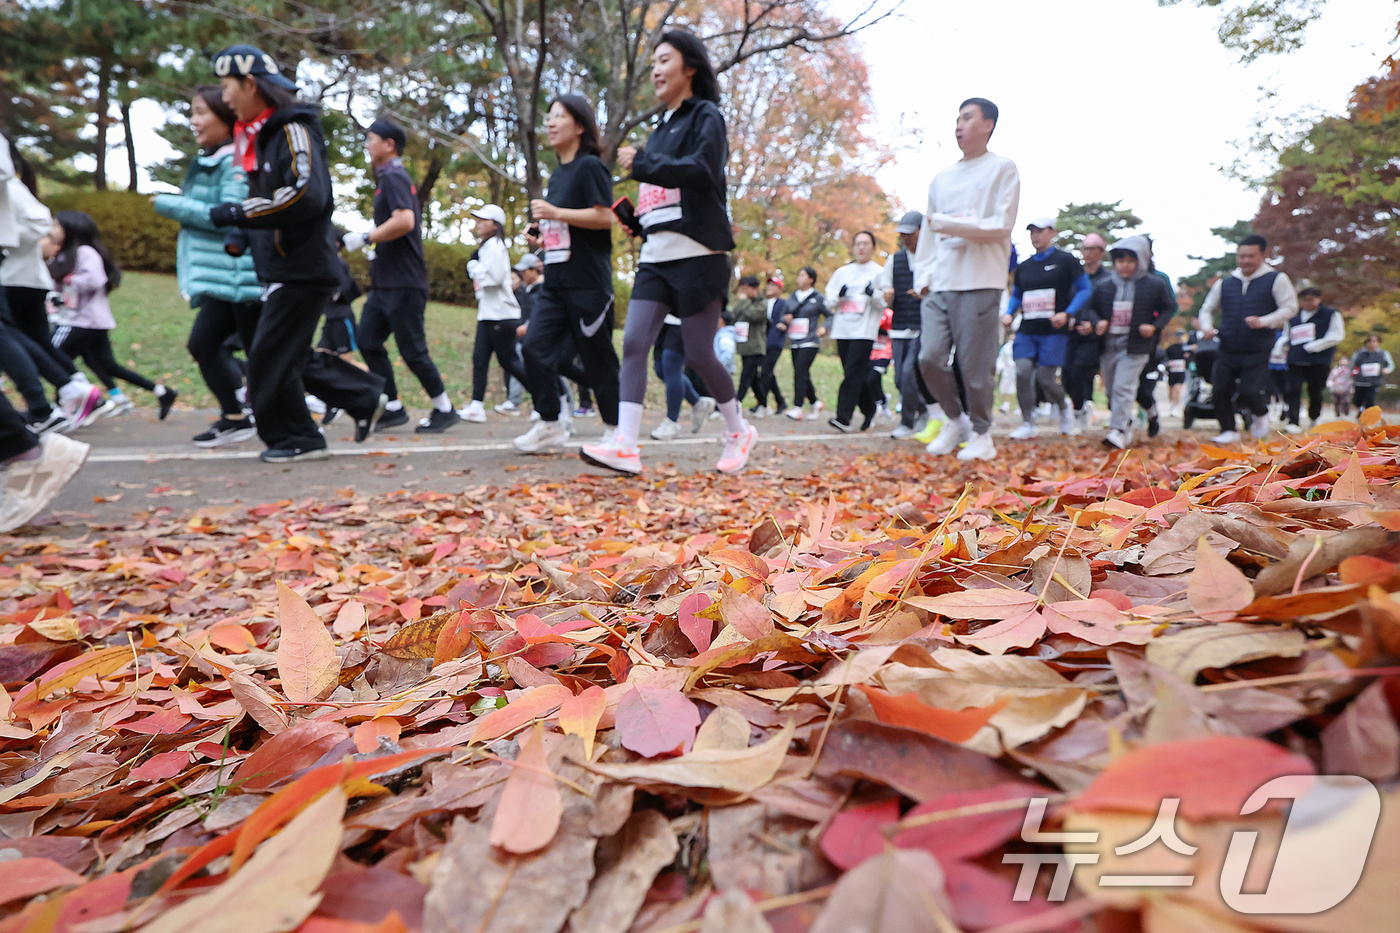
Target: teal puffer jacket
[(203, 266)]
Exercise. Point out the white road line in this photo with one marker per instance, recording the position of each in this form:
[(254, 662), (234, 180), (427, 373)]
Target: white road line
[(210, 456)]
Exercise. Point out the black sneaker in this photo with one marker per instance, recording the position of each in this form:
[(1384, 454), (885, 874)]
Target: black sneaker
[(437, 422), (364, 425), (167, 401), (1154, 427), (43, 423), (293, 454), (226, 431), (331, 415), (391, 419), (839, 425)]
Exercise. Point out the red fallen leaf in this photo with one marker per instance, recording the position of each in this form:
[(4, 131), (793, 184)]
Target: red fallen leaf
[(653, 721), (160, 767), (699, 630), (1365, 569), (98, 898), (368, 733), (288, 752), (965, 837), (1113, 598), (1148, 496), (976, 604), (164, 722), (306, 658), (1351, 486), (530, 808), (1213, 777), (392, 923), (534, 703), (1000, 637), (25, 877), (909, 712), (744, 563), (983, 900), (232, 637), (855, 833), (1097, 621), (749, 617), (1217, 589), (369, 895)]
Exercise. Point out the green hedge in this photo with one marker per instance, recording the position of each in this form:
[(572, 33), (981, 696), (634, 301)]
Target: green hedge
[(139, 238), (447, 271)]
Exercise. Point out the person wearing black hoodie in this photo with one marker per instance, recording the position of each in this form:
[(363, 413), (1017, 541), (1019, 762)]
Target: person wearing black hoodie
[(684, 216), (287, 216)]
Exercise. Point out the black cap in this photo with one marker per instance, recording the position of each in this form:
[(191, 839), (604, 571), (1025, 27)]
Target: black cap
[(242, 61), (385, 128)]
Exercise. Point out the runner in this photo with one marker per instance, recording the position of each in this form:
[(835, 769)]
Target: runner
[(960, 269), (903, 301), (684, 267), (1313, 335), (32, 470), (856, 292), (1176, 370), (222, 288), (1341, 386), (1252, 303), (88, 274), (777, 307), (278, 142), (750, 314), (1085, 341), (1135, 305), (1369, 367), (1048, 290), (529, 273), (806, 310), (497, 311), (668, 362), (573, 311), (398, 289)]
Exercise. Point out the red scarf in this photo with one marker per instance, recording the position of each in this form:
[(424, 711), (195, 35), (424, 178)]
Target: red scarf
[(244, 135)]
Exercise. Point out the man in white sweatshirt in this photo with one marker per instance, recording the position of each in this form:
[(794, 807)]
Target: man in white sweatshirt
[(960, 269)]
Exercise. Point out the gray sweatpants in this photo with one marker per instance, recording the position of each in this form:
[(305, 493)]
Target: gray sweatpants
[(965, 321), (1121, 371)]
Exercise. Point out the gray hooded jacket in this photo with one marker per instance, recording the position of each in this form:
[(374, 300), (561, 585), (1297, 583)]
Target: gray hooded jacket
[(1147, 295)]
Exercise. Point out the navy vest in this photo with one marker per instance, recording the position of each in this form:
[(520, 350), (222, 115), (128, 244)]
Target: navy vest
[(1236, 304), (904, 309), (1364, 356), (1321, 320)]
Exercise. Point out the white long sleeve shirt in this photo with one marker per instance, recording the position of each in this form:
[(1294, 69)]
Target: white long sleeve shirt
[(965, 243), (9, 235), (24, 267), (857, 315), (1284, 296), (490, 272)]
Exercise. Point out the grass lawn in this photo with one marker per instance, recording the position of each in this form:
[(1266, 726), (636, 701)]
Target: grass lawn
[(153, 322)]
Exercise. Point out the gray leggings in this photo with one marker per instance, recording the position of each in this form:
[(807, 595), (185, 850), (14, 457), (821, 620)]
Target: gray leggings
[(1028, 374), (644, 320)]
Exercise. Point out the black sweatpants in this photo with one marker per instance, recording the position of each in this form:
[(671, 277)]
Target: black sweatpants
[(94, 347), (1364, 397), (397, 311), (855, 389), (567, 321), (1314, 377), (29, 313), (16, 363), (914, 396), (498, 338), (15, 437), (750, 377), (768, 379), (278, 352), (214, 323), (1246, 374), (1081, 366), (802, 389)]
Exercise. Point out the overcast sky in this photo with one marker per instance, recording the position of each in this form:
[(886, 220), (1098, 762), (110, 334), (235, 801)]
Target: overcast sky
[(1107, 101)]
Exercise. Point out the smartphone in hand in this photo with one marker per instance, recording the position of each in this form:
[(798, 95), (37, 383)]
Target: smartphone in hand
[(627, 215)]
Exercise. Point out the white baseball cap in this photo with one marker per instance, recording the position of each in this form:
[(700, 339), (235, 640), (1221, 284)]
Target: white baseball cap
[(491, 212), (1044, 223)]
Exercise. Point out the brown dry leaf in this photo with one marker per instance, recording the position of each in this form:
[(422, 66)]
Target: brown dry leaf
[(627, 865), (276, 889), (1364, 740), (915, 764), (898, 892), (733, 911), (477, 888), (418, 639), (306, 658), (1188, 652), (740, 770), (257, 701), (1218, 589), (1071, 570), (976, 604)]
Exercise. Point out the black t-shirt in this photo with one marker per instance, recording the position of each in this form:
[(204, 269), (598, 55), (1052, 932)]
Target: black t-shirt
[(575, 257), (398, 263), (1046, 285)]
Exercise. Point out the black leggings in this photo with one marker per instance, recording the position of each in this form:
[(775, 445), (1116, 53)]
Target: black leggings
[(1364, 397), (644, 320), (802, 389), (16, 363), (95, 348), (215, 322), (31, 317), (855, 367), (768, 379), (1312, 376), (496, 337), (751, 376)]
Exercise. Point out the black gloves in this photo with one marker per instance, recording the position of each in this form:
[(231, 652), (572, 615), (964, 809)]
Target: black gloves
[(842, 292), (226, 214)]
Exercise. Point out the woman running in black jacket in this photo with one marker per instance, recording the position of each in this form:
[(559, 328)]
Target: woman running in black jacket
[(684, 267)]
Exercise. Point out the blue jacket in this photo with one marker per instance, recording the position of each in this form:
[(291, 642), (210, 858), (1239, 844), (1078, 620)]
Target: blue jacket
[(777, 336), (203, 266)]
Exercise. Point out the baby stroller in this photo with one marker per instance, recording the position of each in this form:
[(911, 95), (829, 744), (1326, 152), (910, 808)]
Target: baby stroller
[(1199, 403)]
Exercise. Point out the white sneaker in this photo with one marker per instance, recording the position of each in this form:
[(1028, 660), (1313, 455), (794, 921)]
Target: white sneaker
[(609, 438), (121, 406), (1115, 439), (979, 448), (475, 411), (883, 416), (817, 410), (736, 449), (1068, 423), (1259, 426), (666, 430), (1083, 420), (1226, 437), (315, 405), (613, 457), (507, 408), (704, 407), (28, 485), (795, 413), (903, 431), (950, 436), (542, 435), (534, 416), (1025, 431), (1043, 410), (101, 411), (1293, 428)]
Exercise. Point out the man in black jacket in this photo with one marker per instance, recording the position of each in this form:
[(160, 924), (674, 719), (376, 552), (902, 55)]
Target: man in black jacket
[(906, 319), (288, 217)]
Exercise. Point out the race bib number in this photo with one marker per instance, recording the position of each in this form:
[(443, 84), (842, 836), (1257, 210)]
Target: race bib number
[(1303, 333), (657, 205), (1122, 320), (799, 328), (1370, 370), (558, 244), (851, 307), (1176, 366), (741, 331), (1038, 304)]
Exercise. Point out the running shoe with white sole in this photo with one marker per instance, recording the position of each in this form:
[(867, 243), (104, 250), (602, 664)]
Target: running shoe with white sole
[(29, 485), (795, 412), (1024, 431), (980, 447), (475, 412), (950, 437), (122, 406), (101, 411), (541, 436), (1259, 426), (507, 408), (613, 457), (1068, 424), (704, 407), (737, 447), (1115, 439), (55, 420), (226, 431), (666, 430), (1226, 437), (293, 454)]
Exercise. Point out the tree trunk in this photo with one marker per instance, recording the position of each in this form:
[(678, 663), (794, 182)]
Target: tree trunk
[(430, 177), (104, 102), (130, 136)]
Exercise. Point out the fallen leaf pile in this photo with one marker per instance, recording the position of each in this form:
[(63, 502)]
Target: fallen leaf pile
[(883, 697)]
